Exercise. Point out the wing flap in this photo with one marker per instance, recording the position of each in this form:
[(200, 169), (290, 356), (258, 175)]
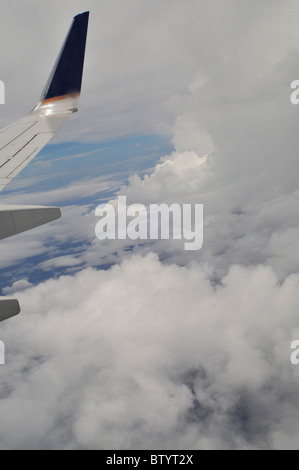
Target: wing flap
[(8, 308), (18, 219)]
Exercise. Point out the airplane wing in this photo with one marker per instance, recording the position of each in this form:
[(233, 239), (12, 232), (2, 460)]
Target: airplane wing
[(22, 141)]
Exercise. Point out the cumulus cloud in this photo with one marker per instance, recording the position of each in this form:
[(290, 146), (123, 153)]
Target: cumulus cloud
[(152, 356), (246, 232), (17, 286)]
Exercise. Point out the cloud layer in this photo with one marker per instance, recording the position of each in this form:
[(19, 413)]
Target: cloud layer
[(148, 66), (152, 356)]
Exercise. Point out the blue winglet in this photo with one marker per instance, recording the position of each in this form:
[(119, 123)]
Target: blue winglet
[(66, 77)]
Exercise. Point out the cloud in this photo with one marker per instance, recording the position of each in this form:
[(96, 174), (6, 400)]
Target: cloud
[(60, 262), (152, 356), (146, 65), (246, 232), (17, 286), (79, 189)]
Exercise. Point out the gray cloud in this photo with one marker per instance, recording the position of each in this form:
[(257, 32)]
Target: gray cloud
[(144, 60)]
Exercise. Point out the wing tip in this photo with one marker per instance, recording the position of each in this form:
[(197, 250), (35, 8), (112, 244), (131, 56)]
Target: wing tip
[(83, 14), (66, 76)]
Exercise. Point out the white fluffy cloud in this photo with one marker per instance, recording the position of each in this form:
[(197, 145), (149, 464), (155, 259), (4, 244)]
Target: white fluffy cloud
[(152, 356)]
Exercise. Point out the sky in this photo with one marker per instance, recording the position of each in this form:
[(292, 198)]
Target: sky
[(124, 345)]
